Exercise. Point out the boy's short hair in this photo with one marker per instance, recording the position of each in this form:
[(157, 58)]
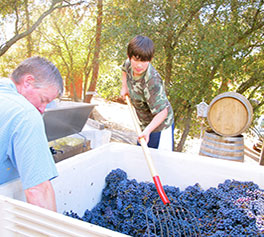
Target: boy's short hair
[(141, 47)]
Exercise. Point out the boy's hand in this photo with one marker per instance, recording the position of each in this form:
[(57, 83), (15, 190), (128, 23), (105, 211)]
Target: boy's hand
[(124, 92), (145, 134)]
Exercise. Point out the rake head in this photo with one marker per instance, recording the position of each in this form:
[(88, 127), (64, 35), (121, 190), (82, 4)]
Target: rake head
[(171, 220)]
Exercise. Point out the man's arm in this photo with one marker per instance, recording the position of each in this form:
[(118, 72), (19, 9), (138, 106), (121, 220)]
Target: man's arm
[(42, 195)]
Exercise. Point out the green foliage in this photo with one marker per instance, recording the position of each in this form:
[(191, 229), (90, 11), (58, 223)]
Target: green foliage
[(7, 6), (109, 84), (202, 48)]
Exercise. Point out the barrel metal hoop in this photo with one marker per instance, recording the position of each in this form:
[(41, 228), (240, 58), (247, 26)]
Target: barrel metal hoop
[(224, 144), (222, 157), (222, 149), (226, 138)]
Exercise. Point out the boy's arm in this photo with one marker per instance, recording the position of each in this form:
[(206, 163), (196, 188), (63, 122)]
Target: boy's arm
[(42, 195), (124, 90), (155, 122)]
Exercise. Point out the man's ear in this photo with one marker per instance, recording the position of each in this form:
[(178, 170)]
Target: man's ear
[(28, 80)]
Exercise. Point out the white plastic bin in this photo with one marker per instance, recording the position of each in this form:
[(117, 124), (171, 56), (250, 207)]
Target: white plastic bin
[(81, 179)]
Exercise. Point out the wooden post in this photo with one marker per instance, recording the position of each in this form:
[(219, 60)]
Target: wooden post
[(261, 160)]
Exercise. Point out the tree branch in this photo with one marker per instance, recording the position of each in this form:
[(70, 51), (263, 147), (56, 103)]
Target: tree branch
[(57, 4)]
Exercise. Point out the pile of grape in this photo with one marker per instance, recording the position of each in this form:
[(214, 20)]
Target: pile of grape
[(234, 208)]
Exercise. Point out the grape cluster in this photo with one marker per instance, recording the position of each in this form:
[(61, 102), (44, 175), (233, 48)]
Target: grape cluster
[(253, 204), (234, 208)]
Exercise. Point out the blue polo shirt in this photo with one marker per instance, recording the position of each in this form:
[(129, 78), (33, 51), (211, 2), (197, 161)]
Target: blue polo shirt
[(24, 150)]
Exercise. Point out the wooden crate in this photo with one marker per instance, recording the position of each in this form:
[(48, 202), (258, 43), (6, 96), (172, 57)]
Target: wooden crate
[(254, 154), (69, 146)]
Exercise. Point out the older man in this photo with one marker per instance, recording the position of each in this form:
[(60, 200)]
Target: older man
[(24, 150)]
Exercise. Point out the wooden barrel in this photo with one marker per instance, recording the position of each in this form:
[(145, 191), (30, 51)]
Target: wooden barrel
[(229, 148), (229, 114)]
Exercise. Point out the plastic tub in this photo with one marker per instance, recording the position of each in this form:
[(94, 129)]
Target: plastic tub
[(81, 179)]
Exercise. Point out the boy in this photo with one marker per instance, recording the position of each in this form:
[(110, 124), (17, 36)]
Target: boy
[(143, 84)]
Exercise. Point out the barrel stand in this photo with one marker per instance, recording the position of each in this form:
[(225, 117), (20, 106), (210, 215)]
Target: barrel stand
[(261, 160)]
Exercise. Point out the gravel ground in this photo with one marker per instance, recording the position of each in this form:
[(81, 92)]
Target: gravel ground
[(116, 118)]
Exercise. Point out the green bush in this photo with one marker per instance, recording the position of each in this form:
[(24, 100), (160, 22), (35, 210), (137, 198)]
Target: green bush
[(109, 86)]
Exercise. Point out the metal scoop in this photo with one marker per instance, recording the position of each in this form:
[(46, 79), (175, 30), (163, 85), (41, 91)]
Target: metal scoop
[(164, 219)]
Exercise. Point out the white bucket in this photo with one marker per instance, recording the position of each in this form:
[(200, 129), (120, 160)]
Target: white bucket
[(81, 179)]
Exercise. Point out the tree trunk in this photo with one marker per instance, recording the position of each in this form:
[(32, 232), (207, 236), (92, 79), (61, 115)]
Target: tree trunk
[(29, 40), (224, 85), (87, 69), (86, 77), (168, 67), (169, 59), (95, 64), (185, 133)]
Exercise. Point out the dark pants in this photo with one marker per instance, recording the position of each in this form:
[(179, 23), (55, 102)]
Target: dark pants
[(154, 139)]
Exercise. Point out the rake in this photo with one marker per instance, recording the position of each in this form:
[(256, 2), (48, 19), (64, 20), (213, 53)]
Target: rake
[(164, 219)]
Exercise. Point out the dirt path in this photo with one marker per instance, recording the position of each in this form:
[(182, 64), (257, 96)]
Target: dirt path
[(115, 117)]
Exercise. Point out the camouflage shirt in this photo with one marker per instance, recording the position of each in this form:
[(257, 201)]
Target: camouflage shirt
[(148, 96)]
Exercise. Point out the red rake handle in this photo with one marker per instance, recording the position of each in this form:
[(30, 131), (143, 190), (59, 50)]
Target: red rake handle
[(160, 190), (148, 158)]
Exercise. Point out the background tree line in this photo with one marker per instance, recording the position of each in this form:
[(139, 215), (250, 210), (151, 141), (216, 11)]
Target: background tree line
[(202, 47)]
